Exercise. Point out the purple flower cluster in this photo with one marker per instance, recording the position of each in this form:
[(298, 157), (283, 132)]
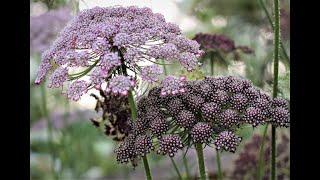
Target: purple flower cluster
[(107, 42), (220, 43), (227, 140), (177, 120), (173, 85), (44, 28)]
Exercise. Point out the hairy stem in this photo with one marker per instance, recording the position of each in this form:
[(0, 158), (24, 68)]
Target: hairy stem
[(260, 171), (275, 81), (176, 168), (202, 168), (49, 129), (185, 162), (219, 166)]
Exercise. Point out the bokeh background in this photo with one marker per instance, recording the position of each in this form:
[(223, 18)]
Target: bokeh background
[(65, 145)]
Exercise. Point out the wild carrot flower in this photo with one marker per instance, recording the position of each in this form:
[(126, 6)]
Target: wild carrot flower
[(106, 43)]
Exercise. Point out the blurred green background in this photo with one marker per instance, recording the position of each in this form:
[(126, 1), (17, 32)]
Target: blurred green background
[(62, 139)]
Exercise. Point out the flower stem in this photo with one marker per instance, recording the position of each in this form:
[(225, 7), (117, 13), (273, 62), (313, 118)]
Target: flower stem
[(49, 129), (146, 168), (219, 165), (133, 106), (202, 169), (212, 64), (185, 162), (275, 81), (165, 71), (284, 52), (134, 116), (273, 151), (176, 168), (260, 171)]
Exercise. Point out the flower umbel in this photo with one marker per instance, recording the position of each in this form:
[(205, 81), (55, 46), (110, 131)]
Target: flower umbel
[(107, 42)]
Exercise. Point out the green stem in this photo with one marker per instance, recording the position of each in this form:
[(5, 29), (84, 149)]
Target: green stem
[(146, 168), (164, 68), (134, 116), (260, 171), (75, 8), (202, 169), (275, 81), (185, 162), (212, 64), (176, 168), (133, 106), (273, 151), (284, 52), (219, 166), (49, 129)]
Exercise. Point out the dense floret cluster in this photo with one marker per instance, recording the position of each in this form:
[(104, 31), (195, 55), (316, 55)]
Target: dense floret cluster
[(106, 44), (177, 120)]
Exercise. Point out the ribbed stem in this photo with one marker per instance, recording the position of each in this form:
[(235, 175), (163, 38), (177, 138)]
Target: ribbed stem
[(185, 162), (275, 81), (284, 52), (260, 171), (176, 168), (202, 168), (219, 166), (49, 129)]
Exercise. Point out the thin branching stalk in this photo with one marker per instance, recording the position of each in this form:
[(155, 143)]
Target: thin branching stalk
[(185, 162), (49, 130), (275, 81), (176, 168), (284, 52), (133, 108), (260, 171), (219, 166), (202, 168)]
